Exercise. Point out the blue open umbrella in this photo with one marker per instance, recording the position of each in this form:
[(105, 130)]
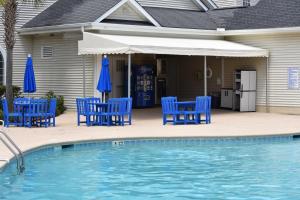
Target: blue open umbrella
[(104, 83), (29, 78)]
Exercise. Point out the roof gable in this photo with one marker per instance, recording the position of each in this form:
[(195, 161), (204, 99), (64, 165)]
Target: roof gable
[(133, 12), (127, 12)]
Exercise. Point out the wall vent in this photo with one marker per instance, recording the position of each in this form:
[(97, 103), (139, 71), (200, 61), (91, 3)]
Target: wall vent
[(47, 52)]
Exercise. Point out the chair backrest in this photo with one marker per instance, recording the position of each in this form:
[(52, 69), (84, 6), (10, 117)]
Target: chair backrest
[(201, 104), (38, 106), (127, 105), (169, 104), (5, 107), (117, 105), (18, 108), (90, 104), (80, 104), (52, 106)]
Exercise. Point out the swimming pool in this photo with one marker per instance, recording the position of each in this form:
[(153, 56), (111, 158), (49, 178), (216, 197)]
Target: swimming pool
[(164, 169)]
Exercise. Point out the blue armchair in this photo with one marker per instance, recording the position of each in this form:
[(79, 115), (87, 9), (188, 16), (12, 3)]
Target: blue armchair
[(170, 109), (16, 116)]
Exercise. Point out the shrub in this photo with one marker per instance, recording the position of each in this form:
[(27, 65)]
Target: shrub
[(16, 91), (60, 107)]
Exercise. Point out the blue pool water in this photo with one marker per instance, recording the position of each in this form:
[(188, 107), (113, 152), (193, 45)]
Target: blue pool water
[(255, 169)]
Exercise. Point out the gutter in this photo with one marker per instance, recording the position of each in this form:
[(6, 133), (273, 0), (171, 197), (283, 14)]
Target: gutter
[(52, 29), (266, 31), (152, 30)]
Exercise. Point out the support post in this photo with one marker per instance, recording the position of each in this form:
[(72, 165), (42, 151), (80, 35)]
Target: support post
[(205, 76), (223, 72), (129, 76), (83, 75)]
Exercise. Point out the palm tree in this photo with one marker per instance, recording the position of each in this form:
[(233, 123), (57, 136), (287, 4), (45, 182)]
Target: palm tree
[(9, 20)]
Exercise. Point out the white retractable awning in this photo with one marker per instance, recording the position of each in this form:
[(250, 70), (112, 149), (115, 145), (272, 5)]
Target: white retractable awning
[(93, 43)]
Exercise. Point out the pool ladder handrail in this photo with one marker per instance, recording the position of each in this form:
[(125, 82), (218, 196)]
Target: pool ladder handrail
[(13, 148)]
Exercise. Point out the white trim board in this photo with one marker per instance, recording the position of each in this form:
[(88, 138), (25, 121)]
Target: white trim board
[(134, 5), (200, 4)]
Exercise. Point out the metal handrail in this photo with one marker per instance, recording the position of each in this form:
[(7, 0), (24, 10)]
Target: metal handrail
[(13, 148)]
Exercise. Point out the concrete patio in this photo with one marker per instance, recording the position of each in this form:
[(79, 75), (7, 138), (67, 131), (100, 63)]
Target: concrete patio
[(147, 123)]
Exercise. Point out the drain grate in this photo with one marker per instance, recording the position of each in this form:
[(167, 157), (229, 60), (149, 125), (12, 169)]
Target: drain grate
[(118, 143)]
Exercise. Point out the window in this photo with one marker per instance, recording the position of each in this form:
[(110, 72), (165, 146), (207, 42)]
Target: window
[(47, 52), (246, 2)]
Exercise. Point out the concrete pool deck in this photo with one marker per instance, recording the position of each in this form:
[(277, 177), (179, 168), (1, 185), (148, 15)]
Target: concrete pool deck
[(147, 123)]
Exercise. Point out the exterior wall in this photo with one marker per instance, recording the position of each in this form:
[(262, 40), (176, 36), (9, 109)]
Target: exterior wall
[(226, 3), (258, 64), (178, 4), (284, 53), (63, 73), (233, 3), (186, 78), (23, 45)]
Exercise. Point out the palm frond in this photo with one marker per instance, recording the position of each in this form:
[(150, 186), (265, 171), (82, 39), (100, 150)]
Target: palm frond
[(2, 2)]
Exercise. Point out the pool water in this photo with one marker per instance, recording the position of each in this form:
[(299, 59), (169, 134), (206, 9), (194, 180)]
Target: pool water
[(160, 170)]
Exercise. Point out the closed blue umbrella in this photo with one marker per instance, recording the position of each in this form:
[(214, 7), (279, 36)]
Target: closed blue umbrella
[(29, 78), (104, 83)]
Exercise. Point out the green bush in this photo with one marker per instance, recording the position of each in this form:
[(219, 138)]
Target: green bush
[(60, 107), (16, 91)]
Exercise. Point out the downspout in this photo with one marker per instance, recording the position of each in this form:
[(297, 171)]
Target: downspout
[(83, 70), (267, 87)]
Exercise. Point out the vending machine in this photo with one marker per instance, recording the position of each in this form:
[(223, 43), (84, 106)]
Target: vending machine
[(143, 91)]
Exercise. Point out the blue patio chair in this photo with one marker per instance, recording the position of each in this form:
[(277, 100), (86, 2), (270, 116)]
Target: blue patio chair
[(86, 108), (202, 107), (127, 117), (116, 110), (51, 114), (92, 114), (37, 113), (16, 116), (208, 111), (170, 109), (81, 110)]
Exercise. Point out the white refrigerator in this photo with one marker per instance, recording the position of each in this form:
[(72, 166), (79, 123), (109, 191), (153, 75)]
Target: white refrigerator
[(245, 99)]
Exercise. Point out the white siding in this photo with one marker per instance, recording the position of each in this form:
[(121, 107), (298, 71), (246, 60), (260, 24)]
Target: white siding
[(233, 3), (125, 12), (23, 44), (178, 4), (284, 53), (63, 73), (226, 3)]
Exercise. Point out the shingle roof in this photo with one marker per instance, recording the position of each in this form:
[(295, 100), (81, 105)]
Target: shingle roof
[(176, 18), (71, 11), (265, 14)]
